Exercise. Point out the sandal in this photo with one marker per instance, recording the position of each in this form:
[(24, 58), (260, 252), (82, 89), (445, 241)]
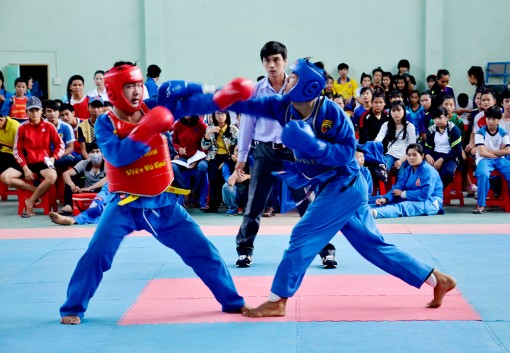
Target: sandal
[(477, 210), (27, 215), (269, 212)]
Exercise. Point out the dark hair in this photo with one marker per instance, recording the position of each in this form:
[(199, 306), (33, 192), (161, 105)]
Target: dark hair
[(99, 72), (20, 80), (441, 73), (505, 94), (92, 146), (108, 104), (477, 73), (448, 96), (436, 112), (378, 94), (319, 64), (414, 91), (273, 48), (392, 127), (389, 75), (261, 77), (364, 89), (227, 122), (51, 104), (377, 69), (396, 94), (358, 149), (120, 63), (342, 66), (339, 96), (415, 146), (363, 75), (191, 122), (486, 90), (153, 71), (66, 106), (431, 78), (71, 79), (2, 79), (403, 63), (463, 100), (493, 112)]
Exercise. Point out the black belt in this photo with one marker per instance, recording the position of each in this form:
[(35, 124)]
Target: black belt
[(273, 145), (345, 187)]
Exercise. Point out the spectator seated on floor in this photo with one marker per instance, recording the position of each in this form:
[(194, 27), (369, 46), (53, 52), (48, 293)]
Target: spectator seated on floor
[(235, 189), (90, 216), (86, 176), (419, 192)]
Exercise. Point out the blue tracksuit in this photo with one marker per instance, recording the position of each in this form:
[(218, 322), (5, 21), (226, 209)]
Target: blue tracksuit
[(161, 216), (424, 194), (341, 203)]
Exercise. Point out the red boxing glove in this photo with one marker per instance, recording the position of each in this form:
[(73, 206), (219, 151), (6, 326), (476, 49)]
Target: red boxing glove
[(239, 89), (156, 121)]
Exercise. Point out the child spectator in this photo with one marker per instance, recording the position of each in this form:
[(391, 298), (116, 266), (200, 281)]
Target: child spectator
[(86, 176), (441, 87), (235, 189), (396, 134), (505, 102), (66, 133), (345, 86), (476, 78), (487, 99), (366, 81), (366, 94), (360, 157), (8, 129), (387, 84), (16, 106), (449, 107), (340, 100), (153, 72), (403, 70), (370, 123), (86, 134), (415, 113), (426, 103), (464, 107), (377, 74), (431, 80), (32, 150), (419, 192), (77, 98), (443, 146), (402, 86), (4, 94), (328, 90), (492, 145)]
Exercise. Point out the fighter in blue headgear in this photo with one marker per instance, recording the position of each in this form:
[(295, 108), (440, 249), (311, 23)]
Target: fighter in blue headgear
[(311, 82), (322, 138)]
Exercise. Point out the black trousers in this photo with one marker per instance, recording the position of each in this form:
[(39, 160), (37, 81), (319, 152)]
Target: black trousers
[(266, 160)]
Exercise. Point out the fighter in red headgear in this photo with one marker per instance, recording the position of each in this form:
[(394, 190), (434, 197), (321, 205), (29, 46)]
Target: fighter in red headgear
[(139, 170)]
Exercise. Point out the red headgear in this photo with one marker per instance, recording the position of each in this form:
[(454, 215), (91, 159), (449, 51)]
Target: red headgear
[(114, 81)]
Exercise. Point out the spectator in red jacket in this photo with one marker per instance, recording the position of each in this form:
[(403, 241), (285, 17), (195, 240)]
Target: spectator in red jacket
[(32, 150)]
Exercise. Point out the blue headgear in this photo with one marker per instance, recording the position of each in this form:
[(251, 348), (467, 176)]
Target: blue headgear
[(311, 81)]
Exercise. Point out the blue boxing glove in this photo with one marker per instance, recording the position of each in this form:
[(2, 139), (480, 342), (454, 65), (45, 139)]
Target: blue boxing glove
[(171, 91), (299, 136)]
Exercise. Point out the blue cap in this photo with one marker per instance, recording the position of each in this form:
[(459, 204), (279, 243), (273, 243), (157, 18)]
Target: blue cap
[(96, 102), (34, 102)]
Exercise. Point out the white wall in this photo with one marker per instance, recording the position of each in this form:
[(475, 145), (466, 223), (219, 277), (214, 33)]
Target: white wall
[(213, 41)]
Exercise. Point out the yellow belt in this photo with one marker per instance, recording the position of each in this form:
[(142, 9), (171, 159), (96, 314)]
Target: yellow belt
[(170, 189)]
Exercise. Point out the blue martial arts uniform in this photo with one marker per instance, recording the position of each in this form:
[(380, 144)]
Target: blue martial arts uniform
[(342, 200), (160, 215), (424, 194)]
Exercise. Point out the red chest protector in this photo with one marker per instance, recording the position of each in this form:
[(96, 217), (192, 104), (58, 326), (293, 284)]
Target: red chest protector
[(149, 175), (19, 108)]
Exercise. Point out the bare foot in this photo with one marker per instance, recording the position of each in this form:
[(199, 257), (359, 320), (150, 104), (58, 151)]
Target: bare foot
[(62, 220), (268, 309), (445, 284), (70, 320), (29, 206)]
